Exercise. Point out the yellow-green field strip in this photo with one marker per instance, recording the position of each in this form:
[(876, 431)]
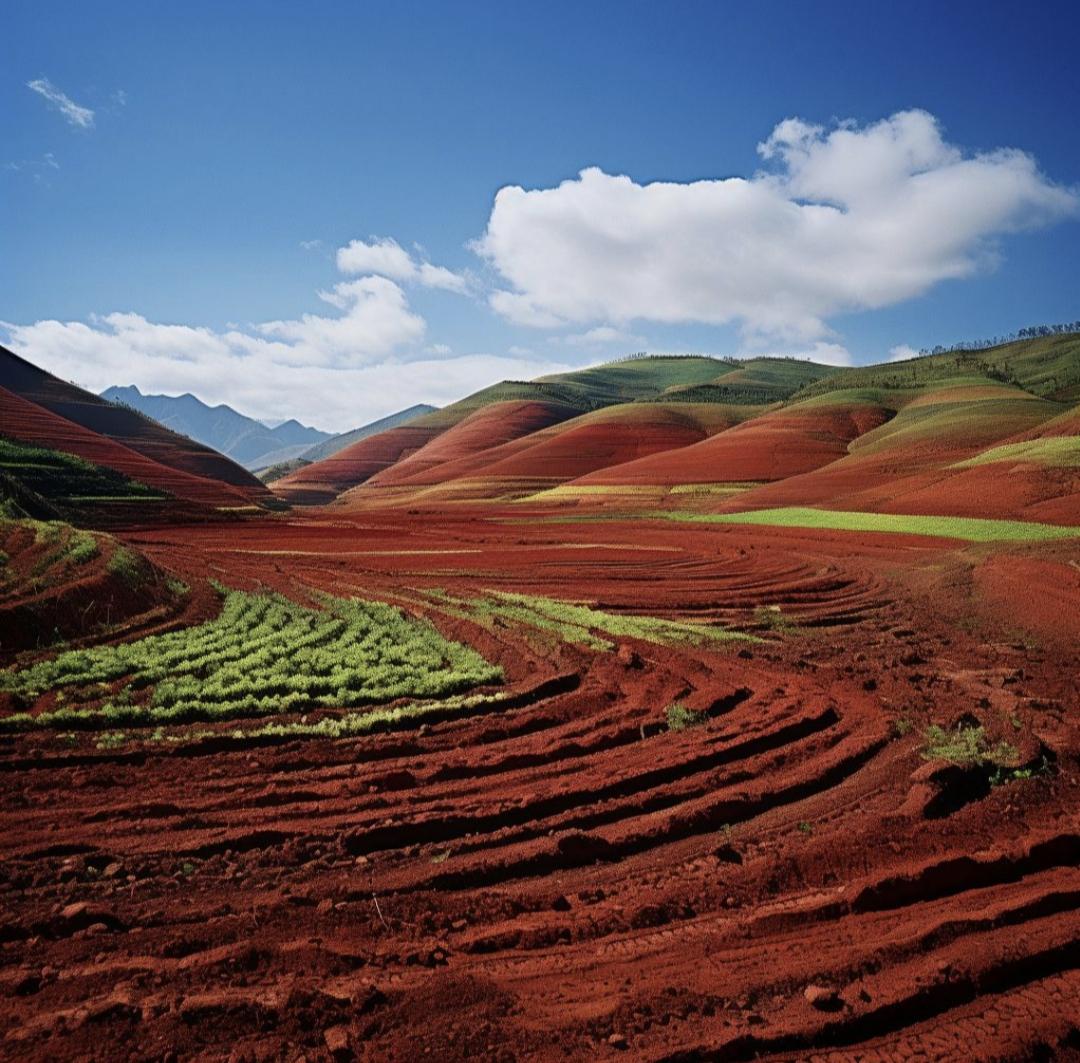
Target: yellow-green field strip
[(971, 529)]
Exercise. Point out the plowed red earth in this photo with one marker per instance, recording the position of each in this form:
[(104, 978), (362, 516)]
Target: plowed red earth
[(561, 876)]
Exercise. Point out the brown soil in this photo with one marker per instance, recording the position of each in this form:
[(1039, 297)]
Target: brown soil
[(565, 878)]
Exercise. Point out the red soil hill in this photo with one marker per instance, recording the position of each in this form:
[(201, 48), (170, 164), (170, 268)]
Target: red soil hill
[(29, 423), (773, 446), (129, 428)]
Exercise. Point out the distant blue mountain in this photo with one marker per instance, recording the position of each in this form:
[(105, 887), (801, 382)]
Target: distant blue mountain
[(247, 441)]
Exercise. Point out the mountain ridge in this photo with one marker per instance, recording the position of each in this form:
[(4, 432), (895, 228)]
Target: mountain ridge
[(246, 440)]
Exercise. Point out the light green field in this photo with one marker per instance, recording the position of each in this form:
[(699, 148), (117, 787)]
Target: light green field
[(263, 655), (1059, 451), (970, 528)]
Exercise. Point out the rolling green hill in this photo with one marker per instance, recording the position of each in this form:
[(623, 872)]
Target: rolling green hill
[(1048, 367)]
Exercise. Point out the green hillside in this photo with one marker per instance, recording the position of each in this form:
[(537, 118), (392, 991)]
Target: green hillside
[(652, 378), (1048, 366)]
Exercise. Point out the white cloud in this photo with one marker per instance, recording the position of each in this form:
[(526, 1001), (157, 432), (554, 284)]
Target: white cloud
[(902, 352), (310, 245), (605, 334), (76, 115), (375, 321), (335, 371), (388, 258), (257, 377), (853, 218), (521, 352)]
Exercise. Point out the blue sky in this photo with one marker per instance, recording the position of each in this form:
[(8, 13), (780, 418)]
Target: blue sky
[(233, 149)]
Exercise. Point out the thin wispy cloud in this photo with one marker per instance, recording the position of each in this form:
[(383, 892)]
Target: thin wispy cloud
[(75, 114)]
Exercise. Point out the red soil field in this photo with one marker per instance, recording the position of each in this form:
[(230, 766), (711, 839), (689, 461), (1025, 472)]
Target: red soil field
[(30, 423), (127, 427), (560, 876), (775, 445)]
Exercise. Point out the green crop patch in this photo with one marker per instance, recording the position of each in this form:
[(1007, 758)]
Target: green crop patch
[(1057, 451), (263, 655), (584, 626), (972, 529)]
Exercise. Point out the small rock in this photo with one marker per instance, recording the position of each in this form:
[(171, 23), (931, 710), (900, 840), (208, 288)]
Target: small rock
[(821, 997), (617, 1040), (112, 870), (337, 1041)]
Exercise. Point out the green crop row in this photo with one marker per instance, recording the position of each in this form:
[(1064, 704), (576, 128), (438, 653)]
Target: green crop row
[(585, 626), (263, 655)]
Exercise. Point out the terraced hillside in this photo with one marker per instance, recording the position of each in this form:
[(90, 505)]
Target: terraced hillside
[(25, 424), (222, 482), (551, 456)]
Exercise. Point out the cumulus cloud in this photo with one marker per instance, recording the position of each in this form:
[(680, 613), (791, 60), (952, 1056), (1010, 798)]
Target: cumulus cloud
[(74, 114), (849, 218), (386, 257), (601, 334), (264, 378)]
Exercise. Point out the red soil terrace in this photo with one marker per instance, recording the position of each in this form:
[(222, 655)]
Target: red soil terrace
[(913, 463), (562, 877)]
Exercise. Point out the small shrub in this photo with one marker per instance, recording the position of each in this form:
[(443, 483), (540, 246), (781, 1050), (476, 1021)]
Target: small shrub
[(127, 566), (771, 617), (679, 717), (966, 746)]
